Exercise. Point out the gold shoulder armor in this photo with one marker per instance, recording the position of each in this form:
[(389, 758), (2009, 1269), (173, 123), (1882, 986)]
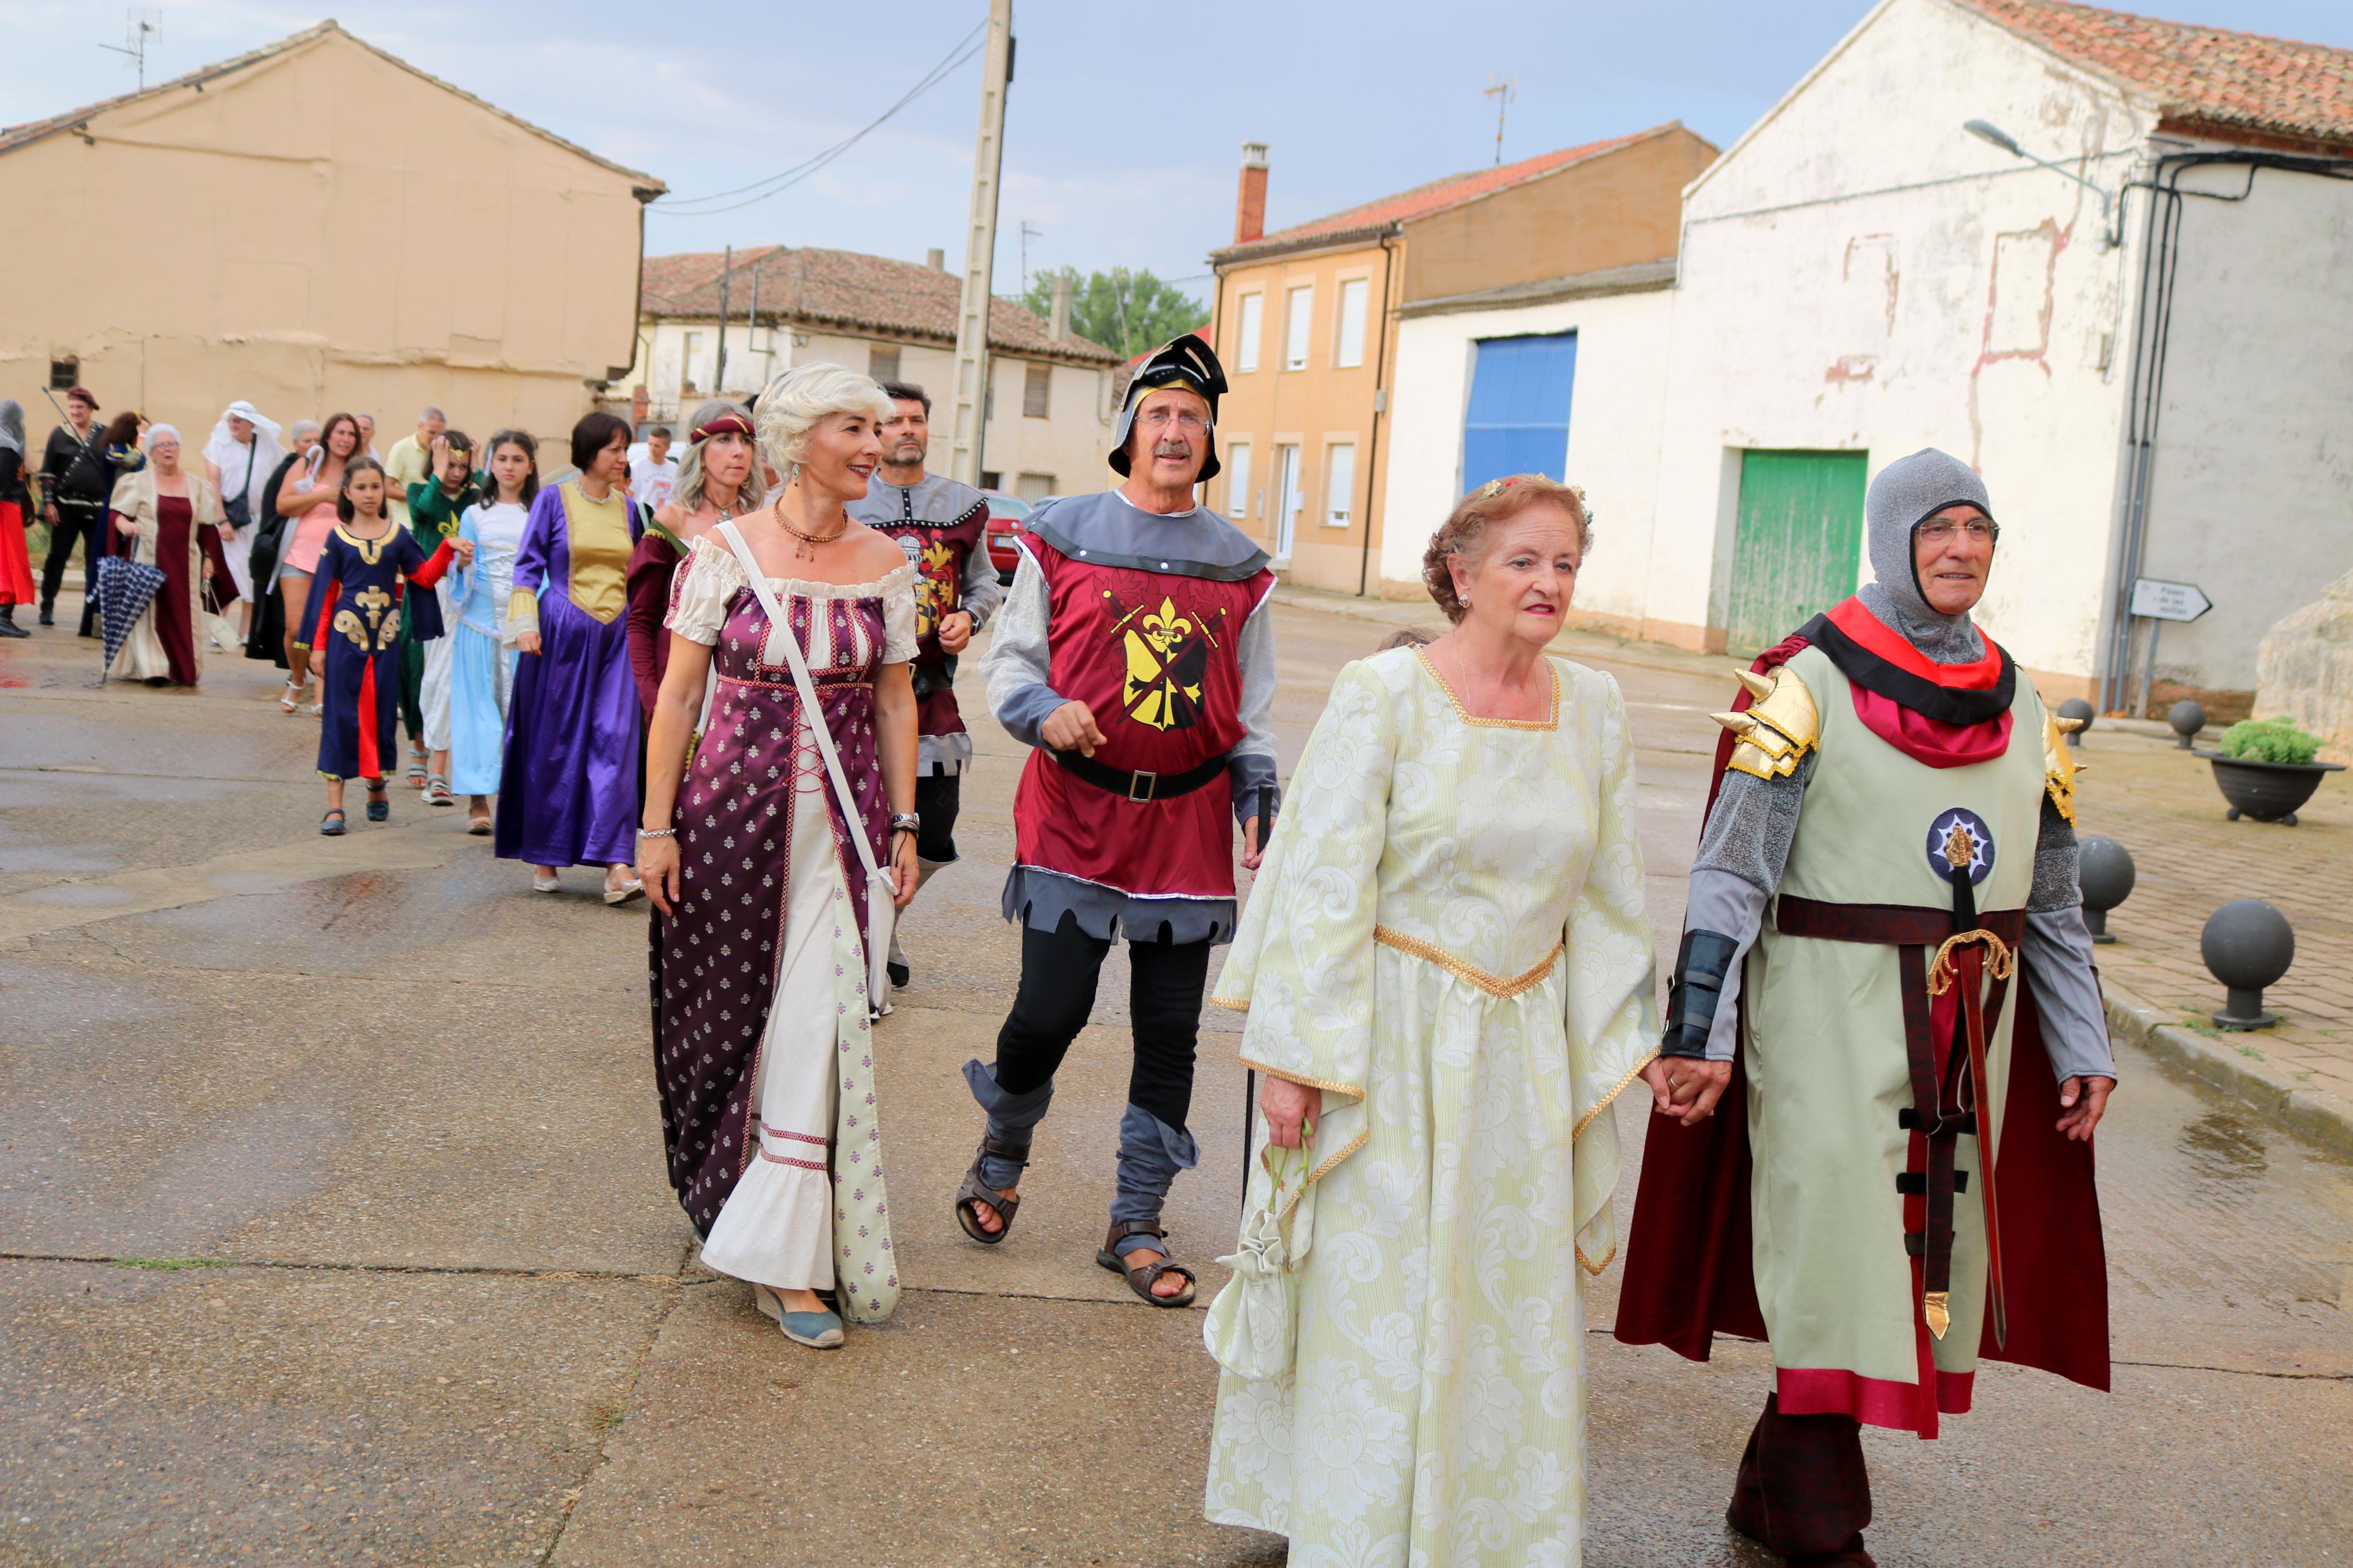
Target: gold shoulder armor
[(2059, 765), (1779, 725)]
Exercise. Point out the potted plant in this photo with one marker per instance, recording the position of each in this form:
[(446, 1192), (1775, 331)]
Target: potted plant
[(2264, 768)]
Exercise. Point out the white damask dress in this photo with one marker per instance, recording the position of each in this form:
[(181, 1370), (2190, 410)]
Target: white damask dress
[(1449, 940)]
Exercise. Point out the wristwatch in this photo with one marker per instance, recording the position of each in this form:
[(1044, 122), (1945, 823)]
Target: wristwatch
[(906, 822)]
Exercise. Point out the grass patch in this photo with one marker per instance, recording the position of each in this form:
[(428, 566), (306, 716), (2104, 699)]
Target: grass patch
[(173, 1265), (606, 1415), (2251, 1051)]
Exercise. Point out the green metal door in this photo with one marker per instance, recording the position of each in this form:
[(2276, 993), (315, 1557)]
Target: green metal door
[(1798, 545)]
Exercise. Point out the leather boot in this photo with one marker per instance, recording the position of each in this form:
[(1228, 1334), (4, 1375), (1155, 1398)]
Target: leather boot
[(48, 612), (1802, 1491), (8, 626)]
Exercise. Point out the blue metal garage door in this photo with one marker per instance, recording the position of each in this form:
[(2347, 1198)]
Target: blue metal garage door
[(1518, 422)]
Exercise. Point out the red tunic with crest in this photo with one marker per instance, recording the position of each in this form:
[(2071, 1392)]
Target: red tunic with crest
[(1154, 656)]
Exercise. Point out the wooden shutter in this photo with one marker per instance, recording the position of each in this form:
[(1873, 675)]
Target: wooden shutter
[(1798, 545), (1038, 392)]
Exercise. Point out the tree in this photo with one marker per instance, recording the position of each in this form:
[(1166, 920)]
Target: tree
[(1133, 313)]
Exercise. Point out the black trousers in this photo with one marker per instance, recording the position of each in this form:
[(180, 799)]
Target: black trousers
[(1058, 971), (938, 798), (82, 524)]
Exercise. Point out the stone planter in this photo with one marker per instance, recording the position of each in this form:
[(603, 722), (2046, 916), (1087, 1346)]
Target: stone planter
[(2268, 791)]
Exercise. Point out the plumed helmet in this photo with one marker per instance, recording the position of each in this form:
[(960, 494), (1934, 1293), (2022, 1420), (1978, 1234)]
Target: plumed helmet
[(1188, 363)]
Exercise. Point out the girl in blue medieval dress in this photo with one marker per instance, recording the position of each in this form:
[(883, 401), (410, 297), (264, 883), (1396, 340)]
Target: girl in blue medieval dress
[(357, 599)]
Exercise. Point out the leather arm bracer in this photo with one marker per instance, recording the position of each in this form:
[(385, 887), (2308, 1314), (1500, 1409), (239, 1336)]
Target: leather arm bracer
[(1691, 995)]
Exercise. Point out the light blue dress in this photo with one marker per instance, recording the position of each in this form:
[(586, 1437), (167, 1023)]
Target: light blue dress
[(482, 658)]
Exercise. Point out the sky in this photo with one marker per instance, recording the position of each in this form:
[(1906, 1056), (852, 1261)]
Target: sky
[(1124, 124)]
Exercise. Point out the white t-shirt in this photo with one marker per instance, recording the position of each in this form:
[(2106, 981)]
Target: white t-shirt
[(650, 482)]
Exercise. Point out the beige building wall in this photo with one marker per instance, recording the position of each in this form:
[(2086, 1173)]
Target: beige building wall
[(322, 228), (1309, 409), (1062, 453)]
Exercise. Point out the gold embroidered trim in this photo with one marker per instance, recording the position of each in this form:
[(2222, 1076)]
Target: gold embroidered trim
[(1493, 984), (1589, 1265), (1324, 1084), (1550, 722), (1607, 1100), (1236, 1006)]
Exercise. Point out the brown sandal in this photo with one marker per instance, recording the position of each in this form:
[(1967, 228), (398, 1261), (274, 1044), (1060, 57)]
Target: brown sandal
[(1141, 1276), (974, 1190)]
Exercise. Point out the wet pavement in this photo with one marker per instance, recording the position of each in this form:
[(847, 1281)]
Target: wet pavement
[(334, 1229)]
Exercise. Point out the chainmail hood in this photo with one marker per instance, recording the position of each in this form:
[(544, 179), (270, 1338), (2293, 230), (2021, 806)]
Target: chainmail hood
[(1907, 493)]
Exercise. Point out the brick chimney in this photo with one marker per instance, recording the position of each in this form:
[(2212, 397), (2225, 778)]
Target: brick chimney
[(1058, 315), (936, 259), (1249, 207)]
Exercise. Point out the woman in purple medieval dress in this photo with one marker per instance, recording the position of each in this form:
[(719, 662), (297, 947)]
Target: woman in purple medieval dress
[(761, 1048), (568, 788)]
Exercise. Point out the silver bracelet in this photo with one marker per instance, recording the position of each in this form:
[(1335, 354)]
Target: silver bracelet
[(656, 831)]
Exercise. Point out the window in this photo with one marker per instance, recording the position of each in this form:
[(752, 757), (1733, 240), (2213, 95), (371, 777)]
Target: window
[(1034, 488), (1288, 500), (688, 361), (1252, 318), (1518, 420), (1237, 479), (882, 362), (64, 372), (1038, 392), (1351, 347), (1298, 305), (1339, 483), (990, 480)]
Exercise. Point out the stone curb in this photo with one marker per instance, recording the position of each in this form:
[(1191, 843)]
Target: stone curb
[(2314, 1114)]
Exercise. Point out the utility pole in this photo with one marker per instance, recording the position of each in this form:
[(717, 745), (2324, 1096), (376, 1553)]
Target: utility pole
[(752, 316), (1502, 90), (719, 376), (1029, 232), (965, 429)]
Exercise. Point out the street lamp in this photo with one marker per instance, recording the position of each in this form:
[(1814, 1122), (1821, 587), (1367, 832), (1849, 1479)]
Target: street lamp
[(1986, 131)]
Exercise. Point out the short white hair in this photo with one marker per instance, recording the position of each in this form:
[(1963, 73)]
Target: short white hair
[(795, 402)]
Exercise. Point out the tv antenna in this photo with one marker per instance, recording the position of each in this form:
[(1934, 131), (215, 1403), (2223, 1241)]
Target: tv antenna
[(140, 24), (1029, 232), (1503, 89)]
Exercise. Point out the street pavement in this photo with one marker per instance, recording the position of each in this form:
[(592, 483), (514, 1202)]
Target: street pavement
[(334, 1228)]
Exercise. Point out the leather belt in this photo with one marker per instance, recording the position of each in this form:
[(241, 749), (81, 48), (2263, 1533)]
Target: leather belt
[(1139, 787), (1979, 951)]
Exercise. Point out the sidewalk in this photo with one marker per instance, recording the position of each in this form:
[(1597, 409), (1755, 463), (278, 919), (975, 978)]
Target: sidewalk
[(2161, 805)]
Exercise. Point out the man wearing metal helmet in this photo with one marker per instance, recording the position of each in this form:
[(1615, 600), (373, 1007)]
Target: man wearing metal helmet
[(1136, 652)]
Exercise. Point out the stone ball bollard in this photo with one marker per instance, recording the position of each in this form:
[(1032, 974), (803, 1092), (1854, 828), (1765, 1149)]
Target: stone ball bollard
[(2187, 719), (2076, 708), (2107, 874), (2247, 945)]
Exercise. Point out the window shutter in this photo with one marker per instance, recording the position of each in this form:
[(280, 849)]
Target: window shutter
[(882, 362), (1300, 308), (1253, 318), (1038, 391), (1237, 479), (1339, 484), (1351, 323)]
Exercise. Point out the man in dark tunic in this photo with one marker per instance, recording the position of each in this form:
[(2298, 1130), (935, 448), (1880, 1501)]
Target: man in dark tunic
[(74, 486)]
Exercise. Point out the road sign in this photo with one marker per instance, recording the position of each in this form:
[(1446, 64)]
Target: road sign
[(2168, 601)]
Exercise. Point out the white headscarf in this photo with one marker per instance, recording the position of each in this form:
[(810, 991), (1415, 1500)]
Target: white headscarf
[(263, 457)]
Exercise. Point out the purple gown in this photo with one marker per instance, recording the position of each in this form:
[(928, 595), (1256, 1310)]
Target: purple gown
[(568, 786)]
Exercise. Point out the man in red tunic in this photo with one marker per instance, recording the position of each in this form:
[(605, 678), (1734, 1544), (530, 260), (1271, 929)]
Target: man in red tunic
[(1136, 652), (942, 524)]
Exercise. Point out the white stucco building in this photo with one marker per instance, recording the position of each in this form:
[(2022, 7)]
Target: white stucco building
[(1860, 277), (1050, 399)]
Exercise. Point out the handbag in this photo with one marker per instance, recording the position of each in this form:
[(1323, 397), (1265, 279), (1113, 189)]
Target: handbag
[(881, 893), (1252, 1327), (238, 508)]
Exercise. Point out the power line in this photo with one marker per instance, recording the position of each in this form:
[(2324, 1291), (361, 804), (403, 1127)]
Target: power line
[(785, 179)]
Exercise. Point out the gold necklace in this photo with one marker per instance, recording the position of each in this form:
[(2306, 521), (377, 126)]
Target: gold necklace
[(807, 549)]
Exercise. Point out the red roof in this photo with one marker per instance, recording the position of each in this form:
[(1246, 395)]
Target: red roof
[(1453, 191), (848, 288), (2232, 86)]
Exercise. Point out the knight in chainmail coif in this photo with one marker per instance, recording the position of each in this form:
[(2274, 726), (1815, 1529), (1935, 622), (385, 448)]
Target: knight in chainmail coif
[(1891, 841)]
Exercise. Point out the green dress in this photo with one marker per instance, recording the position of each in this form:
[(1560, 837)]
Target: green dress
[(1449, 938)]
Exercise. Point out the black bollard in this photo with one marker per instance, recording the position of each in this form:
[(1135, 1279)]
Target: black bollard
[(2107, 874), (2187, 719), (2076, 708), (2247, 945)]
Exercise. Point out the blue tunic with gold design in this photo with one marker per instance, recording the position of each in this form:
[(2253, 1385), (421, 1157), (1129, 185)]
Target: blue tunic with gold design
[(359, 598)]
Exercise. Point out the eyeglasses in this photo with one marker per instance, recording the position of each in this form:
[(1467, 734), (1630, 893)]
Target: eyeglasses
[(1940, 530)]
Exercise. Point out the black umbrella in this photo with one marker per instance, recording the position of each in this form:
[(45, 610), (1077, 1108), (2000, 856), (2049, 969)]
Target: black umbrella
[(125, 589)]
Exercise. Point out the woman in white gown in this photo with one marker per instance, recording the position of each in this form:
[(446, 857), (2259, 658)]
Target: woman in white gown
[(1449, 976)]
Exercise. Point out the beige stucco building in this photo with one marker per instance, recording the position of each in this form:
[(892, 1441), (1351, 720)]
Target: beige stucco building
[(1307, 321), (129, 271), (1051, 393)]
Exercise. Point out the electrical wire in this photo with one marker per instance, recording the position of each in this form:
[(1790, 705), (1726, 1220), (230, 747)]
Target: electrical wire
[(785, 179)]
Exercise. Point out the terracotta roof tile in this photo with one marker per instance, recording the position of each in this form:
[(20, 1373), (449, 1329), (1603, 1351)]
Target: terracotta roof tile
[(1438, 195), (2224, 84), (846, 288)]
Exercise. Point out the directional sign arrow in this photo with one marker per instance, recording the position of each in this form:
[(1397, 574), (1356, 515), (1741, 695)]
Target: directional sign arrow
[(2164, 601)]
